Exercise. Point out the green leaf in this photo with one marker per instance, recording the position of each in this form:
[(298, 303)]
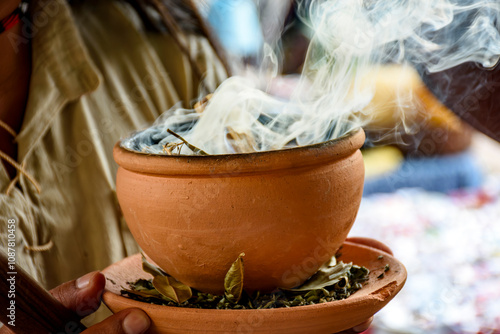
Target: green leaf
[(233, 282), (172, 289), (325, 277), (151, 269)]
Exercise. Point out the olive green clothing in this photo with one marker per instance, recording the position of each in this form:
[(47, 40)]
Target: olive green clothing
[(96, 76)]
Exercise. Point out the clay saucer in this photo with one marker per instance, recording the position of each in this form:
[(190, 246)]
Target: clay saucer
[(320, 318)]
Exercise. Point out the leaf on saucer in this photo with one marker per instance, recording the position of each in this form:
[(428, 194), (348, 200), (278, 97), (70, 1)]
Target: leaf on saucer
[(325, 277), (149, 296), (172, 289), (233, 282), (142, 285), (151, 268), (330, 263), (152, 293)]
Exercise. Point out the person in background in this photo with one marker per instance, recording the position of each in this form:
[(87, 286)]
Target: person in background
[(74, 78)]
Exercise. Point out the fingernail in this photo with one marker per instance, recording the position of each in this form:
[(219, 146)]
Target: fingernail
[(84, 281), (136, 322)]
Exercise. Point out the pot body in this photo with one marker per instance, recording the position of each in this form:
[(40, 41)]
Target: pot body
[(288, 211)]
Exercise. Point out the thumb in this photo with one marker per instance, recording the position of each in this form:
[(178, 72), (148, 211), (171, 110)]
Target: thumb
[(82, 296), (129, 321)]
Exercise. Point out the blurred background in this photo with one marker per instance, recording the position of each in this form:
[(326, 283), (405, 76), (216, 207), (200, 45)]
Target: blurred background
[(432, 189)]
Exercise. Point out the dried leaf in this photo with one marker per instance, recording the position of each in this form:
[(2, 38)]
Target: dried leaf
[(141, 285), (193, 148), (151, 268), (172, 289), (202, 104), (325, 277), (145, 290), (233, 282), (144, 293), (241, 142), (330, 263)]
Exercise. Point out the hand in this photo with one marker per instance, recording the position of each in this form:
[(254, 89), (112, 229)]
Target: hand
[(83, 296)]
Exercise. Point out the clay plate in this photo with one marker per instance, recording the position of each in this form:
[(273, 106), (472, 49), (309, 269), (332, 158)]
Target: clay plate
[(320, 318)]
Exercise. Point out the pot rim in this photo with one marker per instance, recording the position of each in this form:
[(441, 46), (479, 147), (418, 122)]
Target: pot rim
[(240, 163)]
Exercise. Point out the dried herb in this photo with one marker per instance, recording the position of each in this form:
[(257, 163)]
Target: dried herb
[(193, 148), (200, 106), (145, 290), (325, 277), (387, 268), (172, 289), (163, 284), (151, 269), (171, 147), (343, 281), (241, 142), (233, 282)]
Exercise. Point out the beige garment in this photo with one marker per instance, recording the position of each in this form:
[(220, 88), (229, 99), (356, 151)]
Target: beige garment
[(96, 76)]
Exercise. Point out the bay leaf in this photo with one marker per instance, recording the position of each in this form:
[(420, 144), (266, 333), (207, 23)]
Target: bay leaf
[(141, 285), (151, 268), (233, 282), (330, 263), (172, 289), (153, 293), (325, 277)]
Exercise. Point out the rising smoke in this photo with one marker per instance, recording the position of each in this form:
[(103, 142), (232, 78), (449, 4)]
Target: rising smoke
[(352, 39)]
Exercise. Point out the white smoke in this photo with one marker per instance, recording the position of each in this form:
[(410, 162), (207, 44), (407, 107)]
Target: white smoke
[(352, 38)]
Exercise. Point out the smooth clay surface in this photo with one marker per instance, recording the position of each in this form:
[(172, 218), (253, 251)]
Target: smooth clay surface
[(321, 318), (288, 210)]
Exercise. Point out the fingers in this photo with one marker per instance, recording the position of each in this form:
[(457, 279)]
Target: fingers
[(130, 321), (359, 328), (83, 296), (371, 243)]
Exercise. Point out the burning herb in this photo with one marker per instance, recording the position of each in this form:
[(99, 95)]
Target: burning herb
[(200, 106), (240, 142), (193, 148), (334, 281)]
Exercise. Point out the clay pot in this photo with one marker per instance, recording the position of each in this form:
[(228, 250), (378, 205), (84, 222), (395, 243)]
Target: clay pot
[(329, 317), (288, 211)]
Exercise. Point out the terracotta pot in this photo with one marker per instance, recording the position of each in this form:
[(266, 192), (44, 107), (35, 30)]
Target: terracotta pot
[(329, 317), (288, 211)]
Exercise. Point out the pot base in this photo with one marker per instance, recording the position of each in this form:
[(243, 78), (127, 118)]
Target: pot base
[(328, 317)]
